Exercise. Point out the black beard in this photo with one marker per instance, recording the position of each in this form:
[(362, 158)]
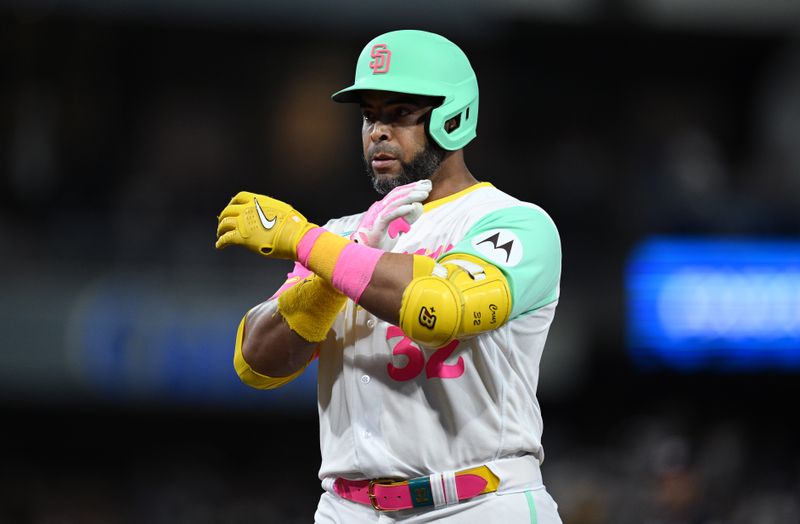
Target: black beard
[(422, 167)]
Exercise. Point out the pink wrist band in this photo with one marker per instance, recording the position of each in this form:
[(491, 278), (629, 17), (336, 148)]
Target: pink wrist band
[(306, 243), (354, 269)]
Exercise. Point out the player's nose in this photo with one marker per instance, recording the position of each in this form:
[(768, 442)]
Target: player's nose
[(380, 132)]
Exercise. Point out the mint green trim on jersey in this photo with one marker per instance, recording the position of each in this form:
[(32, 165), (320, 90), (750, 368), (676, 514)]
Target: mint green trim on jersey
[(523, 243), (531, 507)]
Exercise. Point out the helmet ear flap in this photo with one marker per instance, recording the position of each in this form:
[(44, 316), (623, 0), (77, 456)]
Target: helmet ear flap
[(430, 130), (454, 129)]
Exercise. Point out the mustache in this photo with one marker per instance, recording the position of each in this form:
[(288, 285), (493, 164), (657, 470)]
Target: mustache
[(382, 148)]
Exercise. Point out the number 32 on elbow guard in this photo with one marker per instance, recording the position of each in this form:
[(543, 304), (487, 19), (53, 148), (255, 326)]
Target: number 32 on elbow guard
[(415, 359)]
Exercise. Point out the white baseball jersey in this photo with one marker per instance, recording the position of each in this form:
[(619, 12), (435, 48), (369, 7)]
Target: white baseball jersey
[(389, 408)]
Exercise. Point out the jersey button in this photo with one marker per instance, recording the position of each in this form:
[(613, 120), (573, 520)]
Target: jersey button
[(365, 379), (371, 323)]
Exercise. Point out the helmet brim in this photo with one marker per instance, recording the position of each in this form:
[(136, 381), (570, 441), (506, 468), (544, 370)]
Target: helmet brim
[(406, 86), (350, 94)]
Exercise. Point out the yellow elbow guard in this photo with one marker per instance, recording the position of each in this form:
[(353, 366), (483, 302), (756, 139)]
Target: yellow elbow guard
[(253, 378), (469, 297)]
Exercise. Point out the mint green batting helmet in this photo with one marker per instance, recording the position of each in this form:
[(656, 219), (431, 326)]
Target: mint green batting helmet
[(421, 63)]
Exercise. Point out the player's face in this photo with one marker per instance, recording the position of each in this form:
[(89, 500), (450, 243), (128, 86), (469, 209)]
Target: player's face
[(396, 148)]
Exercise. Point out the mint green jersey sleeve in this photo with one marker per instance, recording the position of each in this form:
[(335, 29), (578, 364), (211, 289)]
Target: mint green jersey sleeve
[(523, 242)]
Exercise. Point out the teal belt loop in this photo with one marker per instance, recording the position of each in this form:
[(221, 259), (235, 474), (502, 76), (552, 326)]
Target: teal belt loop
[(420, 489)]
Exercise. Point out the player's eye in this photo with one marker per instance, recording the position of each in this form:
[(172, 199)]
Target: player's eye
[(367, 116)]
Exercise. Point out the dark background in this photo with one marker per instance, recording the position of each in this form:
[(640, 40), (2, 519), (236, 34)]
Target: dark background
[(126, 126)]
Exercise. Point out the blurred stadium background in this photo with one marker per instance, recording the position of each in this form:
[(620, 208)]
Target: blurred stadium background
[(657, 133)]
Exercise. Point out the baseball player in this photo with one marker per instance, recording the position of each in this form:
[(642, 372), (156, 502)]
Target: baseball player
[(428, 312)]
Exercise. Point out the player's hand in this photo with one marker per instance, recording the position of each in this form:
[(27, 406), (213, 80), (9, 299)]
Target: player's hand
[(386, 219), (262, 224)]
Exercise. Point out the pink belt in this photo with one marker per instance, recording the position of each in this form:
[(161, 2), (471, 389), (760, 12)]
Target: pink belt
[(394, 495)]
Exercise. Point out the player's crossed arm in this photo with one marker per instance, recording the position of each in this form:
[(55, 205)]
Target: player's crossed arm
[(272, 349), (433, 303)]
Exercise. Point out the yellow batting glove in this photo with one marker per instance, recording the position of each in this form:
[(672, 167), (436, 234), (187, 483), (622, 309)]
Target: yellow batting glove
[(262, 224)]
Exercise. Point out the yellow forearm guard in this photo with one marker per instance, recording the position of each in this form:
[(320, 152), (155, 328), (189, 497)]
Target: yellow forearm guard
[(253, 378), (310, 307), (472, 298)]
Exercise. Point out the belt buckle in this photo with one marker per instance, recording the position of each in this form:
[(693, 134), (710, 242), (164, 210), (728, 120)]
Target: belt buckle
[(371, 493)]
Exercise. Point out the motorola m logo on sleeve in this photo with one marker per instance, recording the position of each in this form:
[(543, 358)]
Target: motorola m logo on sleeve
[(500, 246)]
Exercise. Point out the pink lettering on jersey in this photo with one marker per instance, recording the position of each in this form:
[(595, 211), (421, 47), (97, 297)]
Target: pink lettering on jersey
[(433, 254), (415, 362), (435, 367)]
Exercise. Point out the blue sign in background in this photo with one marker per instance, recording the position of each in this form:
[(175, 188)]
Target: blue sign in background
[(714, 304), (134, 340)]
